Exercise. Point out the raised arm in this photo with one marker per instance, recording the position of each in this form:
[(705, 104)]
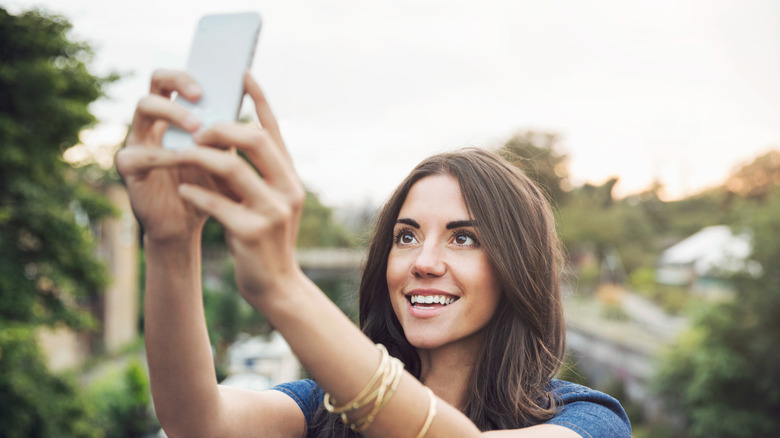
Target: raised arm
[(261, 217), (187, 399)]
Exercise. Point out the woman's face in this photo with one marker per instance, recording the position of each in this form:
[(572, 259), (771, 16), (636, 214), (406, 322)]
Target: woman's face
[(441, 284)]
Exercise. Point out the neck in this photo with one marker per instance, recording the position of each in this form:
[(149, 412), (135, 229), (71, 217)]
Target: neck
[(447, 370)]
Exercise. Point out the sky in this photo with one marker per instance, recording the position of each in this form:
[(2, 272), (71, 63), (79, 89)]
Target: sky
[(676, 91)]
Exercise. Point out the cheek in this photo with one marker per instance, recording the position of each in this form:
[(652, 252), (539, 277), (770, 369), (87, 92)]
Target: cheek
[(396, 273), (395, 281), (488, 281)]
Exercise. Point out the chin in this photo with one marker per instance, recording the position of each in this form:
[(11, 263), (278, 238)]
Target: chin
[(426, 342), (425, 345)]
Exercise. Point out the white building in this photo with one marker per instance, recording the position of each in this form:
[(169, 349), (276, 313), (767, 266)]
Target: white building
[(261, 362), (703, 259)]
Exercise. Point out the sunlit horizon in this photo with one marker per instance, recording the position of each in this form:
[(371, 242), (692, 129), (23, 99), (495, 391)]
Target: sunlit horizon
[(680, 94)]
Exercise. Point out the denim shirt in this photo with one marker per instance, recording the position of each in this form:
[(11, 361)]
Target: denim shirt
[(588, 412)]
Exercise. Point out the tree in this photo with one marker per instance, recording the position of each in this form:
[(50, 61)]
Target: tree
[(319, 229), (48, 261), (757, 179), (537, 154), (722, 379)]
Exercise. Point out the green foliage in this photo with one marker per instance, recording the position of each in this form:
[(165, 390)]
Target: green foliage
[(319, 229), (34, 402), (758, 179), (45, 244), (536, 153), (593, 220), (120, 403), (587, 277), (587, 217), (47, 259), (672, 299), (723, 376), (642, 280), (685, 217), (213, 234), (227, 315)]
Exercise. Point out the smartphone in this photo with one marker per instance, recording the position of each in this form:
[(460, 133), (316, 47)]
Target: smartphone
[(221, 52)]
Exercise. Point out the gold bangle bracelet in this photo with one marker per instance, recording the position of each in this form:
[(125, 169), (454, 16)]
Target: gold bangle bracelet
[(364, 397), (431, 414), (390, 385)]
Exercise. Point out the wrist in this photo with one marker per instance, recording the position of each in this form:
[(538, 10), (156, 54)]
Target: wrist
[(172, 244), (172, 232), (286, 292), (177, 254), (172, 266)]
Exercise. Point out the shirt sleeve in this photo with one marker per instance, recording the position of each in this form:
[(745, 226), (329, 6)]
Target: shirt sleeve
[(306, 394), (588, 412)]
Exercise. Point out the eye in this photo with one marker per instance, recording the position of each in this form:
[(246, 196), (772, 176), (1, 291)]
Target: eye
[(465, 238), (404, 237)]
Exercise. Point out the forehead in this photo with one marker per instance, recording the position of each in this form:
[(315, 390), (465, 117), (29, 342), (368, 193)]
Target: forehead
[(435, 195)]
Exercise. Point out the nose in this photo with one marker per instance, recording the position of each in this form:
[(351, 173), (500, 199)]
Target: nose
[(429, 262)]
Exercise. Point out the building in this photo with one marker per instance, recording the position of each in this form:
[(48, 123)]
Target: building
[(702, 261), (116, 309)]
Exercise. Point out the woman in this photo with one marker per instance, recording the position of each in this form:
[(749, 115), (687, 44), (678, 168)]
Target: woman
[(460, 284)]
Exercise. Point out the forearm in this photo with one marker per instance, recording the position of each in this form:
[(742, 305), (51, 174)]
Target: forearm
[(181, 367), (343, 360)]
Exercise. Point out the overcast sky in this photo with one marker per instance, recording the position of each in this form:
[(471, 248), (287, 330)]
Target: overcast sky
[(675, 90)]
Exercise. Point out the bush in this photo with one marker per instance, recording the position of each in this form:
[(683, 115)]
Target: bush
[(121, 403), (642, 280), (35, 402)]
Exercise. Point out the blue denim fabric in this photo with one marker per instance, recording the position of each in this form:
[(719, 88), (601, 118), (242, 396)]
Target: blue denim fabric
[(588, 412), (306, 393)]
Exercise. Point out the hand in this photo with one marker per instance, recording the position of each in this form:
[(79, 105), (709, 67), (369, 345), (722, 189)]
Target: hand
[(164, 215), (260, 214)]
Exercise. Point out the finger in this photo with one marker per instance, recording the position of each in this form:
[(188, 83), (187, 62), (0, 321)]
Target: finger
[(130, 161), (259, 145), (165, 82), (239, 177), (235, 217), (263, 109), (153, 107)]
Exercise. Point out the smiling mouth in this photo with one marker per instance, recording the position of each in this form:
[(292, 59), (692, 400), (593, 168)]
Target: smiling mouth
[(430, 301)]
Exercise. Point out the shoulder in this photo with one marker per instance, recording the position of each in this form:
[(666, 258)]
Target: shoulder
[(306, 393), (588, 412)]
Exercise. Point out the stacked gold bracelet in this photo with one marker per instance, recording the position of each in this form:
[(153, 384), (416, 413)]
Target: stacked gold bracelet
[(379, 390), (431, 413)]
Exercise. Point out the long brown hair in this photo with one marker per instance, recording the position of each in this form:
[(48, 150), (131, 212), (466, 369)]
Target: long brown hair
[(525, 341)]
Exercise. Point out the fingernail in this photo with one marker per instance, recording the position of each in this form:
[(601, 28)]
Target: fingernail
[(191, 122), (192, 90)]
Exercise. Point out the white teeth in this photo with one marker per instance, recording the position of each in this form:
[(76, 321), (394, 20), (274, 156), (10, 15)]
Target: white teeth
[(432, 299)]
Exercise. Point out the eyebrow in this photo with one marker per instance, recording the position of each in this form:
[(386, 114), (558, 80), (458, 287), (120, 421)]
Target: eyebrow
[(450, 225)]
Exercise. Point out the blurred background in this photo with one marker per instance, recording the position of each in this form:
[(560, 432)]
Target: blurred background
[(652, 127)]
